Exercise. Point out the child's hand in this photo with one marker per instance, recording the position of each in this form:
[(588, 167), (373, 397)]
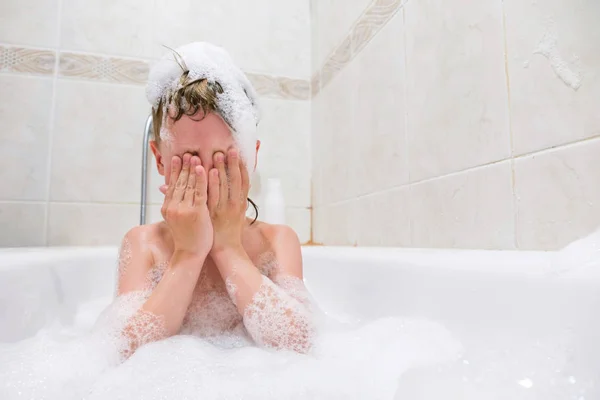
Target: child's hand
[(184, 208), (227, 200)]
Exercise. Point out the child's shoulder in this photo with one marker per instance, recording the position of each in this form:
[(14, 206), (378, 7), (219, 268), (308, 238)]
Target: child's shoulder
[(147, 233), (150, 240), (279, 235)]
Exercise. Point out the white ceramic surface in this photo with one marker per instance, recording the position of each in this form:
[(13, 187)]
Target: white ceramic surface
[(491, 301)]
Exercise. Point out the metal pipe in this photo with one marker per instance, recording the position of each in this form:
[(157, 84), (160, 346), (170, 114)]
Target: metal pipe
[(147, 130)]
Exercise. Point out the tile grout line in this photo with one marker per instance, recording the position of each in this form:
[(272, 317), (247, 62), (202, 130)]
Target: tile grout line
[(52, 123), (310, 115), (406, 125), (558, 147), (510, 129), (470, 169)]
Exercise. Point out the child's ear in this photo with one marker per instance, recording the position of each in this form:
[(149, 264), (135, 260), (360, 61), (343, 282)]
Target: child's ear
[(158, 156)]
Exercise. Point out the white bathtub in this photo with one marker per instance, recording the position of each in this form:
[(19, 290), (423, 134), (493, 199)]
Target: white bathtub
[(527, 332)]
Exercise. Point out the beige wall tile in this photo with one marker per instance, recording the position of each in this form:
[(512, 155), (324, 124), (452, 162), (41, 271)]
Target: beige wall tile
[(318, 146), (284, 132), (155, 180), (153, 214), (547, 110), (22, 224), (339, 58), (79, 224), (299, 220), (376, 16), (24, 129), (96, 155), (457, 93), (337, 224), (558, 197), (384, 218), (378, 132), (471, 209), (29, 22), (118, 27), (333, 20), (266, 36), (334, 151), (314, 38)]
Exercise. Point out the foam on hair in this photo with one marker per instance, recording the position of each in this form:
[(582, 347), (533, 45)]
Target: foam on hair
[(238, 103)]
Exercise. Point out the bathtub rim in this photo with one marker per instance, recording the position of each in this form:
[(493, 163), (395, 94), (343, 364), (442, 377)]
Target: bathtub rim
[(517, 262)]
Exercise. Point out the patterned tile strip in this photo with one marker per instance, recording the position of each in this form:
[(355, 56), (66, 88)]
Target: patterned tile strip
[(120, 70), (124, 70), (377, 14), (24, 60), (100, 68), (280, 87)]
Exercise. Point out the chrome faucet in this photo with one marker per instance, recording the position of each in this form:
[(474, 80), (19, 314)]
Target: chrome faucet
[(146, 143)]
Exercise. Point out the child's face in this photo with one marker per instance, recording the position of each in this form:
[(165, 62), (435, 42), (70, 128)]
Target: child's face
[(198, 136)]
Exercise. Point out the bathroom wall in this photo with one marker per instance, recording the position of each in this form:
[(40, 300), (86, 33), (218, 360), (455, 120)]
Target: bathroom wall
[(72, 107), (446, 123)]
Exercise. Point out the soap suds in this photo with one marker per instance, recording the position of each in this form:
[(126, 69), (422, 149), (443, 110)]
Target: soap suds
[(267, 263), (275, 320), (548, 47), (142, 328), (155, 274), (231, 290), (124, 260), (238, 104), (349, 363)]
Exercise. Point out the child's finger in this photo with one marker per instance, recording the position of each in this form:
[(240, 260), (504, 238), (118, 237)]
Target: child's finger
[(182, 181), (163, 189), (201, 186), (213, 189), (190, 189), (219, 163), (235, 177), (175, 170)]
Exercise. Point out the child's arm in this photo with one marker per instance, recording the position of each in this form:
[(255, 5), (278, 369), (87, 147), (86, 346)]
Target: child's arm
[(276, 315), (272, 317), (162, 314), (186, 214)]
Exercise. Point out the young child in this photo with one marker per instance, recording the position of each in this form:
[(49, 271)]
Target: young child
[(207, 269)]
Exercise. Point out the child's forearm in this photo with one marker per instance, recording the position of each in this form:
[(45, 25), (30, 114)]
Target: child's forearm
[(241, 277), (271, 316), (163, 312), (173, 294)]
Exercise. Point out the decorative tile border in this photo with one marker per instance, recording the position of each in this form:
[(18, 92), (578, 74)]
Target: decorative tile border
[(25, 60), (100, 68), (371, 21), (105, 69), (280, 87)]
